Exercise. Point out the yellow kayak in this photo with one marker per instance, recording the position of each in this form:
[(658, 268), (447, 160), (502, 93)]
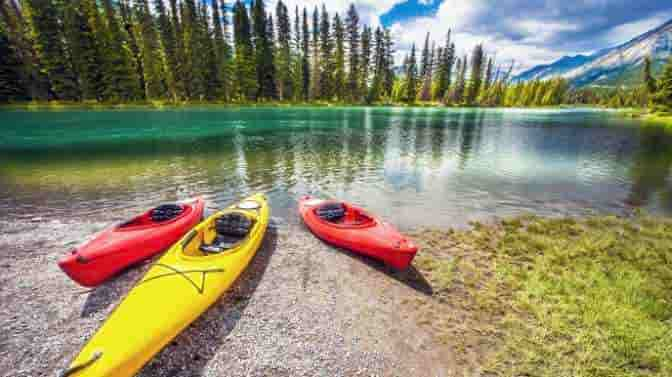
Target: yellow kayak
[(180, 286)]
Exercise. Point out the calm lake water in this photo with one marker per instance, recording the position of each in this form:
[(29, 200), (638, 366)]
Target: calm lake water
[(414, 167)]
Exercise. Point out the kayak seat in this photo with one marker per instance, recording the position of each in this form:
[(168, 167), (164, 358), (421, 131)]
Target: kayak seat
[(165, 212), (331, 212), (230, 230)]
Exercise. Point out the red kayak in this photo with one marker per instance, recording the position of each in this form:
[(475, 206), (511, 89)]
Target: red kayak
[(350, 227), (131, 242)]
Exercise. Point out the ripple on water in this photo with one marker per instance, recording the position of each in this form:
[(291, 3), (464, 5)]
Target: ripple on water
[(415, 167)]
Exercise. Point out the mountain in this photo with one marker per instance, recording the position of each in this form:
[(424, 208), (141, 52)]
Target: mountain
[(616, 66), (564, 65)]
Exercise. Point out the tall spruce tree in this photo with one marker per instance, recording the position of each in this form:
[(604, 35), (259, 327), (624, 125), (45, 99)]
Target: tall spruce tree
[(85, 52), (445, 68), (326, 56), (222, 49), (20, 36), (211, 64), (378, 66), (195, 63), (425, 93), (51, 48), (388, 69), (152, 61), (365, 61), (353, 39), (264, 61), (305, 54), (119, 74), (649, 81), (128, 23), (411, 77), (297, 58), (246, 85), (283, 55), (11, 83), (167, 34), (663, 95), (339, 58), (476, 78), (424, 60), (315, 82)]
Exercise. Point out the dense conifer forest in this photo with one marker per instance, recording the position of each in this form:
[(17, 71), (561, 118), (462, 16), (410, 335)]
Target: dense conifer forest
[(189, 51)]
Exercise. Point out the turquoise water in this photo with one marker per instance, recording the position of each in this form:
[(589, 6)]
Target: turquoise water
[(414, 167)]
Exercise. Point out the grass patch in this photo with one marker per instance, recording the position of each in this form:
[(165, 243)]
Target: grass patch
[(567, 297)]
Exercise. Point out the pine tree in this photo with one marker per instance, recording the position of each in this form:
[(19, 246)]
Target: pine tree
[(476, 74), (649, 81), (222, 49), (315, 82), (195, 65), (326, 58), (663, 95), (246, 84), (264, 61), (84, 49), (11, 85), (378, 66), (20, 36), (152, 61), (169, 46), (388, 65), (426, 85), (424, 60), (283, 56), (121, 79), (353, 39), (411, 77), (297, 58), (305, 55), (365, 60), (339, 59), (128, 22), (181, 69), (52, 51), (211, 56), (460, 85), (488, 74)]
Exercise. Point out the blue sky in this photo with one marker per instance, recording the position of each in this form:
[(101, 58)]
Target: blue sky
[(530, 32)]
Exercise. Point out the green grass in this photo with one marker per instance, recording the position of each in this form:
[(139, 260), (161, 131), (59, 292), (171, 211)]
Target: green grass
[(589, 297), (651, 117)]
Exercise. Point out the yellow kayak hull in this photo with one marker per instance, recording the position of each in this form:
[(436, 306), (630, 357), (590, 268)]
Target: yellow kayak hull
[(176, 290)]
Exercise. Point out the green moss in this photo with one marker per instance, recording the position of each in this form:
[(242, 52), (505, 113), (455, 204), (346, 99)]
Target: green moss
[(588, 297)]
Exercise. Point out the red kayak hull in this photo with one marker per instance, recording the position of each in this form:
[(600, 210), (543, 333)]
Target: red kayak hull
[(359, 232), (126, 244)]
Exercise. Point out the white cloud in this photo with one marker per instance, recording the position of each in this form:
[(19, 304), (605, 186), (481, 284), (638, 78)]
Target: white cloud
[(369, 10)]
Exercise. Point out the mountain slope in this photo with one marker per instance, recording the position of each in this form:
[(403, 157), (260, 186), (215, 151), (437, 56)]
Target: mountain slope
[(559, 67), (615, 66)]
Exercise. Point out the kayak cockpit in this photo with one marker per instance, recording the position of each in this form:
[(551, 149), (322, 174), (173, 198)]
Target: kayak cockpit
[(219, 235), (159, 215), (343, 215)]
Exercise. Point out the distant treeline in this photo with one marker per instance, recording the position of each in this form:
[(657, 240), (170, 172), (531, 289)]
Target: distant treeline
[(190, 51)]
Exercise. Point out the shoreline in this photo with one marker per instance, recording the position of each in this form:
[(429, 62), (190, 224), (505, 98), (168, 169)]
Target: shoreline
[(158, 105), (520, 296)]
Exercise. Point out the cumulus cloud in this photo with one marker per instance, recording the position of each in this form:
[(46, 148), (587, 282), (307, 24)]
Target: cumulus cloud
[(533, 33)]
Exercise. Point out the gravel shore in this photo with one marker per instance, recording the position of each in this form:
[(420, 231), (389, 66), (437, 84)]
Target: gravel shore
[(301, 309)]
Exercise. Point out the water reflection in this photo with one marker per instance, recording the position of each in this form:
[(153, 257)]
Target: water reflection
[(413, 166)]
